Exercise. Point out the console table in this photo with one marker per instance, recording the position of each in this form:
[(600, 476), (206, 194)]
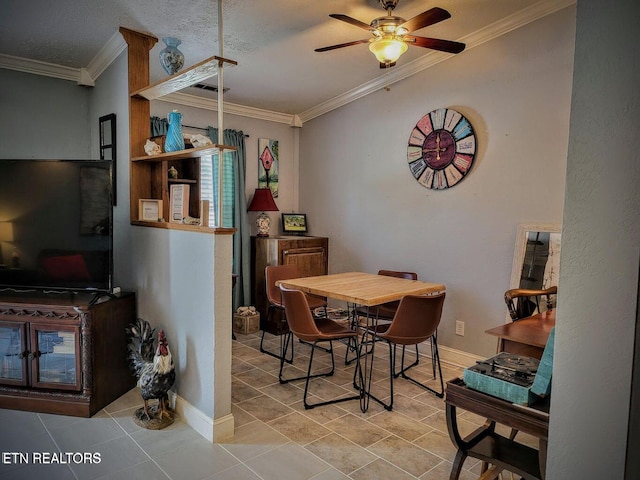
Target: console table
[(64, 353), (487, 445)]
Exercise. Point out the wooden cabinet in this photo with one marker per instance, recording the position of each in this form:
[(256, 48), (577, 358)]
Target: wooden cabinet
[(310, 254), (149, 178), (64, 353)]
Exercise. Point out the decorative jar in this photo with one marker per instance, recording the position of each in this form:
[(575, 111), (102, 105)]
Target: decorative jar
[(171, 58), (174, 140)]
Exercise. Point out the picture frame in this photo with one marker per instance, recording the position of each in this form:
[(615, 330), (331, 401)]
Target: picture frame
[(149, 210), (107, 129), (295, 223)]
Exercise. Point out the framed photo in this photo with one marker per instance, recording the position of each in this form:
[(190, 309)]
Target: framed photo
[(294, 223), (149, 210)]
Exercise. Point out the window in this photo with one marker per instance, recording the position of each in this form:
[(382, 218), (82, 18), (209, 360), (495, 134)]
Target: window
[(209, 188)]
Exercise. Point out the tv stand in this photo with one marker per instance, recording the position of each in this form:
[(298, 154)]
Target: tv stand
[(64, 353)]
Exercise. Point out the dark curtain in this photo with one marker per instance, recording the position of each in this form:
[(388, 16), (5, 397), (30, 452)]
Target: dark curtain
[(159, 126)]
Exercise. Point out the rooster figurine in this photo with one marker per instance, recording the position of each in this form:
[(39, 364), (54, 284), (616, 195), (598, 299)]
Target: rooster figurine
[(154, 369)]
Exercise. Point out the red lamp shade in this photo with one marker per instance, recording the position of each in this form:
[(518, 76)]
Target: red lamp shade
[(262, 201)]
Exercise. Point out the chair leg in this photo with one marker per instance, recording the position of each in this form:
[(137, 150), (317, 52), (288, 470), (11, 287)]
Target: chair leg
[(323, 374), (436, 361), (392, 366), (309, 406), (436, 356), (285, 340)]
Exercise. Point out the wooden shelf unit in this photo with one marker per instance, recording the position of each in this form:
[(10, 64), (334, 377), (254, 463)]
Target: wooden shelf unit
[(149, 178)]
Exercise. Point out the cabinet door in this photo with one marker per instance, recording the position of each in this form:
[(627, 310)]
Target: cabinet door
[(55, 357), (310, 261), (13, 353)]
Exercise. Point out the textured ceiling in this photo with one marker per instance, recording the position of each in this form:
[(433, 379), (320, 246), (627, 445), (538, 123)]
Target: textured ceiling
[(272, 41)]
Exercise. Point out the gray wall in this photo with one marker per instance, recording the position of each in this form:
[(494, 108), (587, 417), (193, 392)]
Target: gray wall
[(599, 261), (43, 117)]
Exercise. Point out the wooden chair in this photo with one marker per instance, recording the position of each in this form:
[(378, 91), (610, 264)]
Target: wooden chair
[(523, 303), (314, 331), (415, 321), (273, 274)]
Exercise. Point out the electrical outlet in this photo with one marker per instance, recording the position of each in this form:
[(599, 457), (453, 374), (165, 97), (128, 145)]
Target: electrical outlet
[(460, 328)]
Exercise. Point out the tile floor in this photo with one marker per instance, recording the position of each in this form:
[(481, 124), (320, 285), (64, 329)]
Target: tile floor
[(275, 437)]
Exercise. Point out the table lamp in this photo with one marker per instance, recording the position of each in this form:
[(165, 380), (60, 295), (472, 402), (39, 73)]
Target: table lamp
[(263, 202)]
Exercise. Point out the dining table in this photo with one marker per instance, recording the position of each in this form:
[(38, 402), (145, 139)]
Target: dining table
[(527, 336), (361, 289)]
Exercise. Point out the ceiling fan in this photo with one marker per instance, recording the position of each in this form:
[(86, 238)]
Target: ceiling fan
[(391, 34)]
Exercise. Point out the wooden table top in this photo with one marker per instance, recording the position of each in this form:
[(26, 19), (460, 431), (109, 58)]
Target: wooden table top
[(365, 289), (532, 330)]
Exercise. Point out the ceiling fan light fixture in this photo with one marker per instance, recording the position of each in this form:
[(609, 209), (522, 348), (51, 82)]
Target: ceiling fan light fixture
[(388, 50)]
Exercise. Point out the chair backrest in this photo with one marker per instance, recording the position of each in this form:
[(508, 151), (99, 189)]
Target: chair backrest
[(275, 273), (298, 314), (416, 320), (394, 273), (523, 302), (389, 309)]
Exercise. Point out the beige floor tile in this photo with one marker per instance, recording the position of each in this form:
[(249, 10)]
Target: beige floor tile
[(299, 428), (254, 439), (341, 453), (380, 469), (265, 408), (287, 462), (257, 378), (405, 455), (400, 425), (358, 430)]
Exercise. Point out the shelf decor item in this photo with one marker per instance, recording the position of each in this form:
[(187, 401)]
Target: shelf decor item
[(263, 202), (174, 141), (171, 58)]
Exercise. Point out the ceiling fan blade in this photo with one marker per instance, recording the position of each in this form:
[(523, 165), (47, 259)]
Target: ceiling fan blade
[(348, 44), (435, 44), (352, 21), (425, 19)]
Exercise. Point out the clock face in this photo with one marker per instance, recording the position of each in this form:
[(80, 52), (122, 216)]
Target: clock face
[(441, 150)]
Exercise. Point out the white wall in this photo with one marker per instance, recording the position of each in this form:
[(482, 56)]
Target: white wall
[(356, 187), (599, 262)]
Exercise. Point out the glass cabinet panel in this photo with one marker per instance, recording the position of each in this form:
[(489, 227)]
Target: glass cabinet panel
[(13, 353), (56, 355)]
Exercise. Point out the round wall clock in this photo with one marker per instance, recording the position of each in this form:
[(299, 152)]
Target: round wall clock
[(441, 150)]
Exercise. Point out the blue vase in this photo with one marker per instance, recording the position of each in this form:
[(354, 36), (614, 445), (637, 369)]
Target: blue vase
[(171, 58), (174, 140)]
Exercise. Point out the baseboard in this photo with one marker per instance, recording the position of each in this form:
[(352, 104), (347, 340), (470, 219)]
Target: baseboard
[(457, 357), (193, 417), (454, 357)]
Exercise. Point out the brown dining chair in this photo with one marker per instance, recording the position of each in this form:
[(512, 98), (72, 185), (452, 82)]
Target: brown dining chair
[(415, 321), (273, 274), (385, 312), (314, 331), (523, 303)]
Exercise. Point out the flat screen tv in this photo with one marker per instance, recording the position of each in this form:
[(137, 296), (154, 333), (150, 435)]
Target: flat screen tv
[(56, 224)]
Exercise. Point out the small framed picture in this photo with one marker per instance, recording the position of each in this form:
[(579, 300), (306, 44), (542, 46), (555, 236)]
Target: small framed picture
[(149, 210), (294, 223)]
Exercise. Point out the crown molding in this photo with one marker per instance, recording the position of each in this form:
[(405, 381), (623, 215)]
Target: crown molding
[(39, 68), (107, 55), (490, 32), (231, 108)]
